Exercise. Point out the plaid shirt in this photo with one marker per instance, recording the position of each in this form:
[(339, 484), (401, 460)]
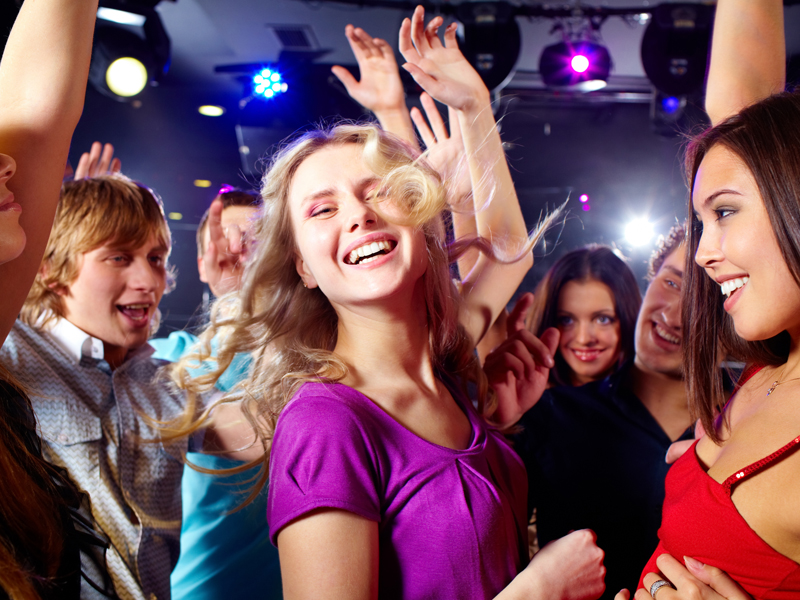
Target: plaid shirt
[(93, 423)]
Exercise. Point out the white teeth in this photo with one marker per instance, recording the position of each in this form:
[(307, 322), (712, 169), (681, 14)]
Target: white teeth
[(662, 333), (135, 306), (368, 250), (731, 285)]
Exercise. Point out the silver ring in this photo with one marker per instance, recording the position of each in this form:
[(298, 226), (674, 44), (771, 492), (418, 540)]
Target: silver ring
[(657, 585)]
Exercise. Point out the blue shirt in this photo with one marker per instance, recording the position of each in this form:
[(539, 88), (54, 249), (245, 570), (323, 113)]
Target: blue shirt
[(223, 553)]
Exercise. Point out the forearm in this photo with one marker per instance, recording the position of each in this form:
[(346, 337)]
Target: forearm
[(398, 122), (748, 56), (42, 85)]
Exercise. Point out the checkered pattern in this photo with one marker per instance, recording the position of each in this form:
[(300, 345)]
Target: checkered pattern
[(92, 422)]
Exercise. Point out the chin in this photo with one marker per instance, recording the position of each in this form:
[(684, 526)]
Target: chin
[(12, 243)]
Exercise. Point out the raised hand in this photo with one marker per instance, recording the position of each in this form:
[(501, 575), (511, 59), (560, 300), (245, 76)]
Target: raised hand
[(678, 449), (693, 581), (379, 88), (439, 68), (445, 151), (518, 369), (98, 161), (222, 264)]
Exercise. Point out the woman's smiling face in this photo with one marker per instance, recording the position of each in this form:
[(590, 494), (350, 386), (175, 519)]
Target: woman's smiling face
[(738, 249), (12, 236), (345, 247)]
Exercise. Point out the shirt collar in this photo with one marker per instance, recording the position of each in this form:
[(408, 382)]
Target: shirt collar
[(75, 342)]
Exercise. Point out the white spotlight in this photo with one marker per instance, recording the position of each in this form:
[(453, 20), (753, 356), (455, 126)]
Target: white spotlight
[(639, 232), (126, 77)]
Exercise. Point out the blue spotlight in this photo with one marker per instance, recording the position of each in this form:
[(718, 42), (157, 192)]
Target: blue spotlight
[(670, 104), (268, 83)]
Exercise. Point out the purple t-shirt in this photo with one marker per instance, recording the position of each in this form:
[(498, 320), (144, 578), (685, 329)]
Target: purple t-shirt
[(452, 522)]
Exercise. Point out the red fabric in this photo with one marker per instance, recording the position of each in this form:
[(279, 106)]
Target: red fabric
[(700, 520)]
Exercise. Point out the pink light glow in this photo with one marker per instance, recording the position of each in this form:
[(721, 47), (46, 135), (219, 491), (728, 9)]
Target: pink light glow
[(587, 207), (579, 63), (584, 198)]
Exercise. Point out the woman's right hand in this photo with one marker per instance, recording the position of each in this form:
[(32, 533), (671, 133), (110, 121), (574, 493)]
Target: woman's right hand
[(570, 568), (694, 581)]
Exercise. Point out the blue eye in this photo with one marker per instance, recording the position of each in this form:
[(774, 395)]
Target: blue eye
[(564, 321), (605, 319)]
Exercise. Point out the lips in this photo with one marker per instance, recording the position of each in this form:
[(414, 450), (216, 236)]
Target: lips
[(667, 336), (138, 313), (586, 354), (8, 204), (369, 248)]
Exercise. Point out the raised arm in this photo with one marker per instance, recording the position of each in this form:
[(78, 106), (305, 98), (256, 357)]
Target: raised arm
[(42, 85), (380, 88), (446, 75), (748, 56)]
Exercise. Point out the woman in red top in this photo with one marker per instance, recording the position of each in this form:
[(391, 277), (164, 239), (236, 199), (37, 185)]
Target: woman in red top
[(733, 500)]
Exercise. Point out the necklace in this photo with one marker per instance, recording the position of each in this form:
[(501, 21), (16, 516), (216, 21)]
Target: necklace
[(777, 382)]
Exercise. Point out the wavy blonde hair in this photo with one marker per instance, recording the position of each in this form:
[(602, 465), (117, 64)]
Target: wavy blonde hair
[(291, 331)]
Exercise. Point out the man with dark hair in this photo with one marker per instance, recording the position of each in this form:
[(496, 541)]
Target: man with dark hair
[(595, 454)]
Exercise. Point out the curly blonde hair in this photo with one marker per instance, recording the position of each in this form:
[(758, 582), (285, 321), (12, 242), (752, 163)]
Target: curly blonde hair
[(291, 331), (90, 213)]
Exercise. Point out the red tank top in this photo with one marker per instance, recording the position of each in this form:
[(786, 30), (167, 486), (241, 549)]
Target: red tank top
[(700, 520)]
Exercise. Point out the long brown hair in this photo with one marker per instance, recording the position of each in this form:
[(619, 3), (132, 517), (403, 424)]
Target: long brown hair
[(593, 262), (765, 137), (31, 531)]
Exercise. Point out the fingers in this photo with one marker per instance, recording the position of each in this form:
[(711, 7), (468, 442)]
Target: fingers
[(516, 319), (676, 450), (623, 595), (346, 77), (422, 127), (215, 232), (451, 41), (434, 116), (719, 581), (405, 45), (104, 166), (550, 338), (98, 161), (82, 170)]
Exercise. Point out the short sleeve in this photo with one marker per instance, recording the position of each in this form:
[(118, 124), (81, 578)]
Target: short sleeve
[(322, 457)]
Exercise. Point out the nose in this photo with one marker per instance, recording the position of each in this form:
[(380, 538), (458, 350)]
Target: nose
[(671, 313), (142, 276), (8, 166), (585, 334), (362, 215), (708, 252)]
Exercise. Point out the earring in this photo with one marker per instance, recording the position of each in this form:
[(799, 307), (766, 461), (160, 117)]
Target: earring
[(305, 285)]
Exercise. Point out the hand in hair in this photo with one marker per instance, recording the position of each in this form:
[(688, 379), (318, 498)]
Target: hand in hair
[(695, 580), (440, 69), (379, 89), (98, 161), (225, 253), (518, 369)]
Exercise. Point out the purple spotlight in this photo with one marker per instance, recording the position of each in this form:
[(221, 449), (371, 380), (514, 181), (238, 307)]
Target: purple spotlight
[(579, 63), (587, 207), (584, 198)]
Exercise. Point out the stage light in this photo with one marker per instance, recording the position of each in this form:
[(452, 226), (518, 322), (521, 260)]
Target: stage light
[(586, 207), (580, 63), (131, 48), (670, 104), (126, 76), (211, 110), (584, 198), (202, 183), (268, 83), (175, 216), (675, 47), (639, 232), (582, 66)]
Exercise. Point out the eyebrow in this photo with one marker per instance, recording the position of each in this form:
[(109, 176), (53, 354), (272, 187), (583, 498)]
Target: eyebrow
[(673, 270), (716, 194), (366, 181)]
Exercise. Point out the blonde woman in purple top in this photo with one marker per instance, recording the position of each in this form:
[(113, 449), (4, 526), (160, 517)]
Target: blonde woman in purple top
[(384, 480)]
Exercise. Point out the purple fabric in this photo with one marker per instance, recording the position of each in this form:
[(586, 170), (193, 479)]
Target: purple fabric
[(452, 522)]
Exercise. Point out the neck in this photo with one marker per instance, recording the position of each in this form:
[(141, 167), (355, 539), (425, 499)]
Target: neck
[(664, 396), (114, 355), (382, 344), (791, 367)]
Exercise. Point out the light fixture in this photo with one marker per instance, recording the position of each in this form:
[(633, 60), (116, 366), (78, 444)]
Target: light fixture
[(175, 216), (211, 110), (202, 183), (639, 232), (675, 47), (131, 48), (490, 40), (268, 83), (582, 66)]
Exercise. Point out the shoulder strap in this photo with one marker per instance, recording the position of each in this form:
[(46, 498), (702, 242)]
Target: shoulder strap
[(759, 465)]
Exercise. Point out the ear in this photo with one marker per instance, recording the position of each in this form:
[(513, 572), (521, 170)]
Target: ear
[(59, 289), (305, 274), (201, 269)]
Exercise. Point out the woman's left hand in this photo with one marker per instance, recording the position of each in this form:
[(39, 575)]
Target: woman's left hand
[(440, 69), (693, 581)]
